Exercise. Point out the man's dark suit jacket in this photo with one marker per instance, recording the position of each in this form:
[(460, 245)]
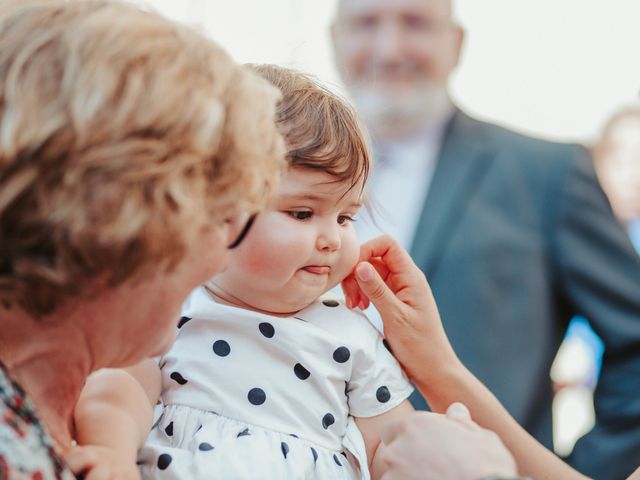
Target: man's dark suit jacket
[(516, 236)]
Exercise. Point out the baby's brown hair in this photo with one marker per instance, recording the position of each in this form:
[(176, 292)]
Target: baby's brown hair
[(321, 129)]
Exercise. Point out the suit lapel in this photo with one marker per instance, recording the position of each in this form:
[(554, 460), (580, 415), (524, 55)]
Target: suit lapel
[(462, 161)]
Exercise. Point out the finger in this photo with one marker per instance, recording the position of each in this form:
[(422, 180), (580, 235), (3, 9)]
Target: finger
[(389, 251), (381, 267), (351, 291), (399, 427), (458, 411), (374, 288), (79, 460)]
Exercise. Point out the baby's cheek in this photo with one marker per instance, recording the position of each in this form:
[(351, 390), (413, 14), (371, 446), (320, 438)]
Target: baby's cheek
[(267, 259), (349, 258)]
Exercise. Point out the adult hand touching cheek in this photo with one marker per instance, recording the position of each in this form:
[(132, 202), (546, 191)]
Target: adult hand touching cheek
[(429, 446), (387, 276)]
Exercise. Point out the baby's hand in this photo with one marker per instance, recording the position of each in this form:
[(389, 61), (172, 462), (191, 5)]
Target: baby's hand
[(101, 463)]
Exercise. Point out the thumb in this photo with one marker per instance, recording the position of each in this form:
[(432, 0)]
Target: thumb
[(372, 285), (458, 412)]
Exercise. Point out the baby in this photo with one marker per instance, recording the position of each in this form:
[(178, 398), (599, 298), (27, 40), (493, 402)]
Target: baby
[(269, 377)]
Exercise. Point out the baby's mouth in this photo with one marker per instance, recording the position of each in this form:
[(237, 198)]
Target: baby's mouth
[(317, 269)]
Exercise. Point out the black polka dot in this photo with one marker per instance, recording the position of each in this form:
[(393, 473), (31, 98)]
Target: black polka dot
[(199, 428), (182, 321), (285, 449), (169, 429), (221, 348), (328, 420), (335, 459), (386, 345), (383, 395), (301, 372), (178, 378), (256, 396), (346, 389), (164, 461), (341, 354), (243, 433), (293, 435), (315, 454), (266, 329), (330, 303), (205, 447)]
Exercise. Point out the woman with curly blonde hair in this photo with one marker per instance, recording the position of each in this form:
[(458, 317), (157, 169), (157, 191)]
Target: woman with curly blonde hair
[(132, 153)]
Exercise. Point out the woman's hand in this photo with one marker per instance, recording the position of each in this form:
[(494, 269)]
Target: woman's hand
[(387, 276), (428, 445), (101, 463)]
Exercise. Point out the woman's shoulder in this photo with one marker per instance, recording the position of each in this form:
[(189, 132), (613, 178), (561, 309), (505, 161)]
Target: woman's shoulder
[(25, 447)]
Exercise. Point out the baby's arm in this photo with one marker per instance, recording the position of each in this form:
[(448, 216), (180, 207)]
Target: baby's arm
[(113, 417), (371, 428)]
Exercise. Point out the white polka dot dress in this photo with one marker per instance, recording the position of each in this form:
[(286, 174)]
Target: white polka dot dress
[(253, 396)]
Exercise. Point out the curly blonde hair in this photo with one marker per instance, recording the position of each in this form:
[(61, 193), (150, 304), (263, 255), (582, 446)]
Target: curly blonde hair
[(122, 135)]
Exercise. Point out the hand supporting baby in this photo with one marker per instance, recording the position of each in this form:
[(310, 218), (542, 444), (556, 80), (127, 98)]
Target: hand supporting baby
[(425, 446)]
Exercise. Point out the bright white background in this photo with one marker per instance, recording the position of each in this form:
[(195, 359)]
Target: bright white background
[(556, 68)]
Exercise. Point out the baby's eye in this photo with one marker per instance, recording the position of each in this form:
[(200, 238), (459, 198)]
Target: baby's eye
[(300, 214), (342, 219)]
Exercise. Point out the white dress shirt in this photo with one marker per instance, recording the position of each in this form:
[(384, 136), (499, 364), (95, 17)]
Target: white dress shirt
[(398, 186)]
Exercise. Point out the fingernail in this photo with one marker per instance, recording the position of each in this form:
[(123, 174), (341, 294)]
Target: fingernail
[(361, 305), (364, 272), (349, 303)]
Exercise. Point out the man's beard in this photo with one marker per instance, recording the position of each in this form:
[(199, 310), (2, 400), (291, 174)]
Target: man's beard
[(391, 114)]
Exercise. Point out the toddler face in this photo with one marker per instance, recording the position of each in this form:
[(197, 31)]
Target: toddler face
[(300, 247)]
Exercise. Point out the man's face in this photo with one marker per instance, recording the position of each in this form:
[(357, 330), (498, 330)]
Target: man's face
[(399, 50), (618, 166)]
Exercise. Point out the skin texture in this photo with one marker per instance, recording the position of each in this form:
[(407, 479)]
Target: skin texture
[(37, 350), (300, 247), (395, 58), (129, 409)]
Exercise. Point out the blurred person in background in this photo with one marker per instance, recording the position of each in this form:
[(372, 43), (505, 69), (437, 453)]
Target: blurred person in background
[(617, 161), (616, 158), (513, 233)]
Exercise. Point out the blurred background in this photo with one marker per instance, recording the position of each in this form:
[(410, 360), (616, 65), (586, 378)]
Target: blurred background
[(557, 69), (554, 68)]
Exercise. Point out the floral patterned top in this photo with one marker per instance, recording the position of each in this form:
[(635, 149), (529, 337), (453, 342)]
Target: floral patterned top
[(26, 450)]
